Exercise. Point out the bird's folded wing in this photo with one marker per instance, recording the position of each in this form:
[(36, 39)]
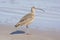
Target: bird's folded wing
[(26, 18)]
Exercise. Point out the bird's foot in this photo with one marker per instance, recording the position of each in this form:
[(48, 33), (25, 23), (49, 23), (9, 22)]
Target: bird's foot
[(28, 34)]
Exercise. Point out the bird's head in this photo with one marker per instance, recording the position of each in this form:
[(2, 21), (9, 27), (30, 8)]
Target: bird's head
[(33, 9)]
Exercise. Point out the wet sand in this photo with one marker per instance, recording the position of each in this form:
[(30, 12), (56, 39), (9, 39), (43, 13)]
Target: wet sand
[(8, 32)]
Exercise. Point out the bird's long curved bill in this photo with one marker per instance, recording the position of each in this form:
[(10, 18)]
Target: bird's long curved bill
[(40, 9)]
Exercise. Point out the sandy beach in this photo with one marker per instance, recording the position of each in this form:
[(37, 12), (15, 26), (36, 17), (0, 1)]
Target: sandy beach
[(10, 33)]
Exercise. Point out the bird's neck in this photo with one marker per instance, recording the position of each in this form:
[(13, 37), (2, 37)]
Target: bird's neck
[(33, 11)]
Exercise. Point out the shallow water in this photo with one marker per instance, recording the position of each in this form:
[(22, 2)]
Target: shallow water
[(11, 13)]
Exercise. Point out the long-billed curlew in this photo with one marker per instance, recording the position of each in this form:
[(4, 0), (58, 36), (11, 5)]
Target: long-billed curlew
[(27, 19)]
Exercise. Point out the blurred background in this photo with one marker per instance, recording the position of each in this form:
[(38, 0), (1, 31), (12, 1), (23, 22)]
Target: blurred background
[(11, 11)]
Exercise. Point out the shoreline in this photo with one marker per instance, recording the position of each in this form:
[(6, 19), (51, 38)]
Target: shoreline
[(35, 34)]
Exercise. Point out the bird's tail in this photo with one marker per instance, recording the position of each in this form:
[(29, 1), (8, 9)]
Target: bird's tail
[(18, 24)]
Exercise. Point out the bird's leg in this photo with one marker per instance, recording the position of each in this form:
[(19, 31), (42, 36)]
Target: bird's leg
[(27, 26), (27, 30)]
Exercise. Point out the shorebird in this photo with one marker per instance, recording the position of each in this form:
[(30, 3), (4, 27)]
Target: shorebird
[(28, 18)]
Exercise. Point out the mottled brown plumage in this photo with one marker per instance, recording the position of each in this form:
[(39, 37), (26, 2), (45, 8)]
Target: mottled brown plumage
[(27, 19)]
